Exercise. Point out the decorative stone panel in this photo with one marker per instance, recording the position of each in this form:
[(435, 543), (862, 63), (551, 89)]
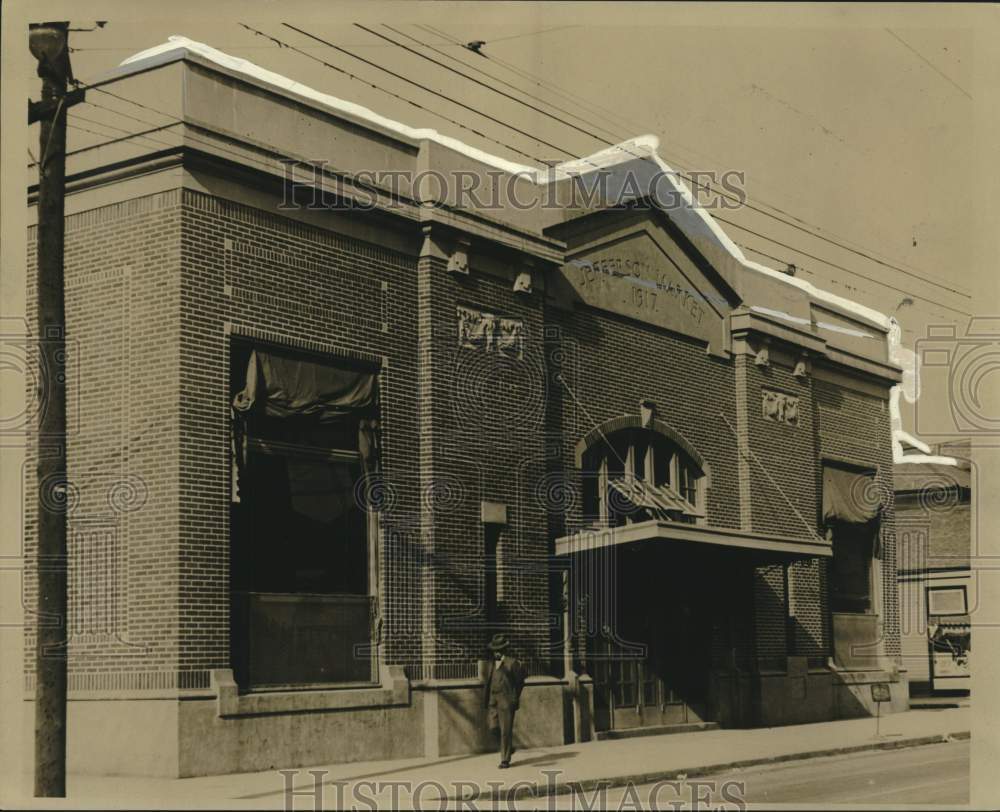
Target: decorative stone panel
[(487, 331), (780, 407)]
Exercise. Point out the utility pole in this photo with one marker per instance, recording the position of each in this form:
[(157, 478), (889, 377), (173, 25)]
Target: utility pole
[(49, 44)]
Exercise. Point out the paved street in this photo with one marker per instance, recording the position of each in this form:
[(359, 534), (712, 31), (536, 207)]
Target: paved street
[(932, 774)]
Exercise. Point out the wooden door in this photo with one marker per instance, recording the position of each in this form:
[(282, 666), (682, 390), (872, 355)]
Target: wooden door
[(658, 674)]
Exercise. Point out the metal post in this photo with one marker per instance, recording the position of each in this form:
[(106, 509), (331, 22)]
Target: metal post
[(570, 675), (49, 44)]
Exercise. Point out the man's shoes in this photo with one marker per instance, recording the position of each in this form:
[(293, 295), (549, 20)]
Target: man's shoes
[(504, 765)]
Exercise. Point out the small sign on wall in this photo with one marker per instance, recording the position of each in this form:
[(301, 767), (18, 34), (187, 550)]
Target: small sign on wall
[(880, 692), (947, 600)]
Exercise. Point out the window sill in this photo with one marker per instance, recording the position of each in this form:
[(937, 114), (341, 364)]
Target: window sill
[(394, 689)]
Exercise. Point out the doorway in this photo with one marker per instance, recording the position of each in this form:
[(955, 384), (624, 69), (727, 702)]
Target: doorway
[(651, 666)]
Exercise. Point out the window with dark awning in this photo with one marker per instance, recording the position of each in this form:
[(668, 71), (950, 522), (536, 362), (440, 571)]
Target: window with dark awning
[(291, 387), (302, 575), (849, 496), (294, 400)]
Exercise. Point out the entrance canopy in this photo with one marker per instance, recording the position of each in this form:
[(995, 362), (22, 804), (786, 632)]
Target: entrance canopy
[(677, 532)]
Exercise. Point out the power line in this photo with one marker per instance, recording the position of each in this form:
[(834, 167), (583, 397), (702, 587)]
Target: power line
[(929, 64), (530, 34), (584, 103), (349, 75), (804, 269), (429, 90), (811, 228), (188, 136), (113, 140), (493, 78), (241, 156), (839, 267), (244, 47), (484, 84), (146, 134), (282, 44), (807, 231)]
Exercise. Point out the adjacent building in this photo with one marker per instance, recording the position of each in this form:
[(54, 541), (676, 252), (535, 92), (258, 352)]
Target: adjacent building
[(937, 590), (331, 427)]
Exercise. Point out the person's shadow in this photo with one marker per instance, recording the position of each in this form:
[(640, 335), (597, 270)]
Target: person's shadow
[(544, 760)]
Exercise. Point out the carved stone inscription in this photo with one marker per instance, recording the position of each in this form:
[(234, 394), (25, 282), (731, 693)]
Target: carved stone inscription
[(487, 331), (646, 287), (638, 277), (780, 407)]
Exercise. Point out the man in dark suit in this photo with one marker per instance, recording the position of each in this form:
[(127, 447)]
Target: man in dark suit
[(502, 694)]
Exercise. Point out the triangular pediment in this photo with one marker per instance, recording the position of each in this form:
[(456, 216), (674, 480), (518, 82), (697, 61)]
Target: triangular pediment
[(634, 264)]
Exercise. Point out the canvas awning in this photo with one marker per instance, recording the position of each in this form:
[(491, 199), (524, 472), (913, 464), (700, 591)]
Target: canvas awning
[(660, 500), (849, 495), (285, 386)]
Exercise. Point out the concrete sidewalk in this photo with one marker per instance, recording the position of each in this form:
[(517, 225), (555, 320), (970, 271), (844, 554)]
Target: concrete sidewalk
[(543, 771)]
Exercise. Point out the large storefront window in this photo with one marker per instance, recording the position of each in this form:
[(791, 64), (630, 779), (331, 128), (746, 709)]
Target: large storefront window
[(301, 568), (851, 508), (850, 513), (851, 575), (635, 475)]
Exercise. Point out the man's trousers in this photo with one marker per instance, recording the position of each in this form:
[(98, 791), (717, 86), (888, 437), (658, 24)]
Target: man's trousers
[(505, 720)]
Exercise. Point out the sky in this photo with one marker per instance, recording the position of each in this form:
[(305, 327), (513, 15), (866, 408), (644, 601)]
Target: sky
[(856, 128)]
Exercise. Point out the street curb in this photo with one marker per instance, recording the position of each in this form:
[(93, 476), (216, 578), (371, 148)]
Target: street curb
[(524, 789)]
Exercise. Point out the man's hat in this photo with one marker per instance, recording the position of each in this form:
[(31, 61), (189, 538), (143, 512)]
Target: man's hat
[(499, 642)]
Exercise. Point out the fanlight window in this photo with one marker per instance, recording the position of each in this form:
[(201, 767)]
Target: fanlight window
[(635, 475)]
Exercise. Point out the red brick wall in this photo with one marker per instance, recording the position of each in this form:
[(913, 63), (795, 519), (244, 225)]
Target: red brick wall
[(783, 474), (611, 363), (785, 495), (481, 439), (276, 279), (947, 517), (769, 616), (123, 387), (855, 426), (157, 287)]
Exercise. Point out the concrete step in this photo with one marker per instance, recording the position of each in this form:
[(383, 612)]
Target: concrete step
[(939, 700), (656, 730)]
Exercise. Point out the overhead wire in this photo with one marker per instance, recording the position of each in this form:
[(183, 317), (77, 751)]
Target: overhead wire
[(350, 75), (493, 78), (806, 227), (392, 42), (487, 86), (430, 90)]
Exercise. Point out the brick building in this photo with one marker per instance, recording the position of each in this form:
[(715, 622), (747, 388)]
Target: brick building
[(937, 590), (320, 452)]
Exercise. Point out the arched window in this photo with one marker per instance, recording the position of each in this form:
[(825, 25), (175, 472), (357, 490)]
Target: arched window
[(634, 475)]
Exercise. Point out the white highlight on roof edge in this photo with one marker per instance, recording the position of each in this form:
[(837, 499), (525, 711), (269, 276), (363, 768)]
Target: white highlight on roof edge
[(607, 157), (925, 459), (909, 438), (647, 144)]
